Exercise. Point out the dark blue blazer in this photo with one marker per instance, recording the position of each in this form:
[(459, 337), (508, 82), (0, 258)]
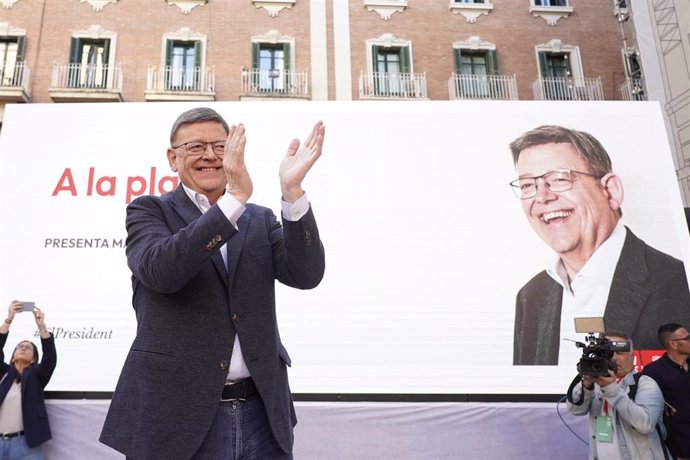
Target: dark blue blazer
[(34, 380), (189, 307)]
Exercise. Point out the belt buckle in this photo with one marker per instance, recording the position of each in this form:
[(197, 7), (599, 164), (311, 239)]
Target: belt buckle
[(231, 399)]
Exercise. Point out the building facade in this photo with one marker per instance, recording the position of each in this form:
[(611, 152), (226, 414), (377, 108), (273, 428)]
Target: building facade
[(57, 51), (662, 35)]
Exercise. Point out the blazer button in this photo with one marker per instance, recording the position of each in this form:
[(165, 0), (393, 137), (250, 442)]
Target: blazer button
[(235, 317), (307, 237), (218, 238), (224, 365)]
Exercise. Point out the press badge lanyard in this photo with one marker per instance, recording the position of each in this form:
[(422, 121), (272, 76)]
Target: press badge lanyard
[(605, 423)]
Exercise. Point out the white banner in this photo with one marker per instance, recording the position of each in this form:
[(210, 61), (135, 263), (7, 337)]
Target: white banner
[(426, 245)]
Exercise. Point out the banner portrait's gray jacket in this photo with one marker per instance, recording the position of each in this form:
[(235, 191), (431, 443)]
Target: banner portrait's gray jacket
[(649, 288)]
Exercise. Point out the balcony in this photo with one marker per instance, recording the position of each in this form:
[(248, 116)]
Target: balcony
[(170, 83), (383, 85), (500, 87), (86, 83), (567, 89), (14, 82), (633, 90), (274, 84)]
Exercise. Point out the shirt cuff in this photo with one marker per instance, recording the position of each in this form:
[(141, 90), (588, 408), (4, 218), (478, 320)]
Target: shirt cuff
[(296, 210), (232, 208)]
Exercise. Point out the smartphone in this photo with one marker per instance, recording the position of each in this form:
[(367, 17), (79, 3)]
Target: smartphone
[(28, 306)]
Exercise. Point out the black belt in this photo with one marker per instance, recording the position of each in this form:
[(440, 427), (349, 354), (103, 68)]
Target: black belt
[(11, 435), (239, 390)]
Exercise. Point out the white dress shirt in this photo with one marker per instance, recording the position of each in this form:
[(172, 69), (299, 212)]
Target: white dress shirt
[(233, 209), (587, 294)]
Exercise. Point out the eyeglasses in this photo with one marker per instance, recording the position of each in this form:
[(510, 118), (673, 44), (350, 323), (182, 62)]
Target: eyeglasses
[(198, 148), (687, 337), (559, 180), (24, 346)]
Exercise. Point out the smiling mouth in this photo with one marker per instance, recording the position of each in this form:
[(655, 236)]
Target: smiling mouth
[(549, 216), (208, 169)]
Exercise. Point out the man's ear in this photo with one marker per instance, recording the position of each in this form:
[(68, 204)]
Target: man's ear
[(613, 187), (172, 157)]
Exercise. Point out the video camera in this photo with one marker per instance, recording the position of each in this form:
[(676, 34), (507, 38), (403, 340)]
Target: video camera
[(597, 353)]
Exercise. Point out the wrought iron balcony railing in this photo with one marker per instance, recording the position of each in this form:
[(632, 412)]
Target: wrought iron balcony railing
[(385, 85), (275, 82), (14, 82), (197, 82), (568, 89), (502, 87)]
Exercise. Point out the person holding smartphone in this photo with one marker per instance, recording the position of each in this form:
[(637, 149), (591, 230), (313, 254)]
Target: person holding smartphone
[(23, 417)]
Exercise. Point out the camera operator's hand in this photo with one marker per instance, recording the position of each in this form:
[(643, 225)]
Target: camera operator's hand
[(602, 381), (588, 382)]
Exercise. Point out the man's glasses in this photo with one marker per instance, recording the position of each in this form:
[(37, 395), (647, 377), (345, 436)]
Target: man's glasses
[(559, 180), (198, 148), (687, 337)]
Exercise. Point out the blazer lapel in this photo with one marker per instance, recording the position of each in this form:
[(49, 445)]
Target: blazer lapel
[(235, 244), (548, 341), (188, 211), (627, 296)]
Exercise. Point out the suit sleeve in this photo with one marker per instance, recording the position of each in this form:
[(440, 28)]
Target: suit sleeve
[(44, 370), (166, 260), (298, 254)]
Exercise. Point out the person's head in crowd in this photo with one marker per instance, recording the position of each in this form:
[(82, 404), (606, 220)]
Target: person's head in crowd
[(25, 352), (675, 339), (624, 360), (569, 193), (197, 147)]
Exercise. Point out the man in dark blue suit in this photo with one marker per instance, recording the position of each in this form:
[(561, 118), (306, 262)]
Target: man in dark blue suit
[(206, 375)]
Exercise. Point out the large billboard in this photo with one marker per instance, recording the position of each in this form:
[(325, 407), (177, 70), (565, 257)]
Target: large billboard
[(426, 244)]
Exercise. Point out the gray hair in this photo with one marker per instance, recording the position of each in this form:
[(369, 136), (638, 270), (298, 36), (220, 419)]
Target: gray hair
[(586, 145), (197, 115)]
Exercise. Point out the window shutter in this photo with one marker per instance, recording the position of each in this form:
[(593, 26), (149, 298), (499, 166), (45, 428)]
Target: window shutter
[(375, 57), (21, 46), (405, 59), (256, 51), (198, 49), (457, 52), (286, 56), (74, 50), (543, 67), (106, 51), (168, 52), (492, 62)]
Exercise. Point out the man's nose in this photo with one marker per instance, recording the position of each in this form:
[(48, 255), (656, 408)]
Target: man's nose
[(544, 194), (209, 152)]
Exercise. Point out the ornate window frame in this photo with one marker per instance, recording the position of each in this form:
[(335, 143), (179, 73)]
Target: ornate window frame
[(99, 4), (273, 37), (557, 46), (274, 7), (95, 31), (551, 14), (386, 8), (471, 11), (7, 4), (186, 6), (184, 34), (387, 41)]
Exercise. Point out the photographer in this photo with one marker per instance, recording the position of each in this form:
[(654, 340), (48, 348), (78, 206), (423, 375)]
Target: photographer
[(23, 418), (621, 426)]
